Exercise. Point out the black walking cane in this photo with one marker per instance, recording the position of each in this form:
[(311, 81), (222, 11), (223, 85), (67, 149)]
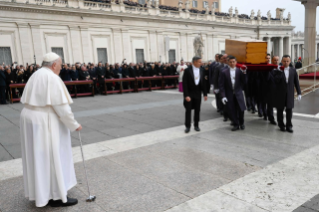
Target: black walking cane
[(91, 198)]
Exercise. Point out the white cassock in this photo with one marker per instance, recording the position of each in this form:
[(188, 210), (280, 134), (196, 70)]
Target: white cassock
[(45, 124)]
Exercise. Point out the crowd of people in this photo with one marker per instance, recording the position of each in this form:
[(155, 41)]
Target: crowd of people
[(11, 74), (263, 90)]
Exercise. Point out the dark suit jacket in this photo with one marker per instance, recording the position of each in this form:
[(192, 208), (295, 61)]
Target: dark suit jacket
[(285, 92), (226, 88), (211, 72), (189, 84), (2, 78), (217, 72)]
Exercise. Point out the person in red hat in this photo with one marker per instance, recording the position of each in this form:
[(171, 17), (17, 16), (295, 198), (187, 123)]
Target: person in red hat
[(298, 63)]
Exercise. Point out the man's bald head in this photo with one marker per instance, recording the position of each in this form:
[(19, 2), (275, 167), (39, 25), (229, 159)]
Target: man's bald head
[(275, 60)]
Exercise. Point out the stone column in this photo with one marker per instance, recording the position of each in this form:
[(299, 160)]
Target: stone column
[(316, 51), (75, 41), (281, 47), (37, 44), (292, 53), (152, 45), (210, 50), (85, 45), (126, 44), (190, 47), (268, 40), (27, 53), (289, 46), (310, 31), (117, 44), (183, 46), (297, 50), (160, 46)]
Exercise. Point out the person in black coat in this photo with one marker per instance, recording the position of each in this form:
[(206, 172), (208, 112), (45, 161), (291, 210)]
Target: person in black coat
[(10, 79), (298, 63), (286, 80), (93, 76), (231, 84), (212, 68), (65, 73), (194, 87), (217, 72), (84, 75), (101, 71), (2, 86)]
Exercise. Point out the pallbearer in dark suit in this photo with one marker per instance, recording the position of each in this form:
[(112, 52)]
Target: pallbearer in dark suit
[(194, 86), (231, 84), (286, 80)]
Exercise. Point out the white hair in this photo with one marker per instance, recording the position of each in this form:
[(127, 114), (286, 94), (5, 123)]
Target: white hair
[(49, 64)]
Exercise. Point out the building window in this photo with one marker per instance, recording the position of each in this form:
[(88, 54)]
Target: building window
[(141, 1), (216, 4), (194, 3), (205, 4), (223, 52), (5, 55), (58, 51), (102, 55), (172, 55), (139, 55)]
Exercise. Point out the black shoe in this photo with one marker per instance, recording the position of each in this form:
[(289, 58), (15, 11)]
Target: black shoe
[(242, 127), (197, 129), (265, 118), (273, 122), (283, 129), (235, 128), (187, 130), (289, 129), (248, 109), (260, 115), (232, 124), (225, 119), (59, 203), (253, 111)]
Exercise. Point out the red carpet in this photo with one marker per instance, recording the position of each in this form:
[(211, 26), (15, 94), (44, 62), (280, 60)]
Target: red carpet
[(309, 76)]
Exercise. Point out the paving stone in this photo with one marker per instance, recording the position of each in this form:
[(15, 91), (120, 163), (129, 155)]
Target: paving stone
[(172, 174), (120, 189), (204, 161), (4, 155), (13, 200), (304, 209), (313, 203), (14, 149)]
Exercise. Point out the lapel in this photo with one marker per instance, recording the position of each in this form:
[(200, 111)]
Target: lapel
[(192, 73), (291, 73), (227, 72), (237, 76)]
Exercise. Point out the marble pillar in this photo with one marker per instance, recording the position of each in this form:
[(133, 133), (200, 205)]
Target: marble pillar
[(75, 36), (310, 31), (152, 44), (281, 47), (268, 40), (117, 44), (27, 53), (87, 57), (36, 38), (126, 45)]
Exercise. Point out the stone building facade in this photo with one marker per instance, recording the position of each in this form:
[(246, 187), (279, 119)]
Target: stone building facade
[(85, 31)]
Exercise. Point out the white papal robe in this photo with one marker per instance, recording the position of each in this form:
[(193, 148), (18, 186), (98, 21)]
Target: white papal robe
[(45, 124)]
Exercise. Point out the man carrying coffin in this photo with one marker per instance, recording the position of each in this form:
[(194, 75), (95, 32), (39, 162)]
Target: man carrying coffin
[(231, 83), (45, 124), (286, 79), (193, 86)]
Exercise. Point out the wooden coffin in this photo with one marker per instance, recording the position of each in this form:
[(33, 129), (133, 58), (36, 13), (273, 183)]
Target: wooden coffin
[(247, 51)]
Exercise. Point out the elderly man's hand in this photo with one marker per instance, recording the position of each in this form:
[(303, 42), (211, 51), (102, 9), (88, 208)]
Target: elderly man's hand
[(188, 99), (79, 128)]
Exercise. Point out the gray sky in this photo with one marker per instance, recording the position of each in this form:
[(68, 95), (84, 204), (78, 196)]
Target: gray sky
[(296, 9)]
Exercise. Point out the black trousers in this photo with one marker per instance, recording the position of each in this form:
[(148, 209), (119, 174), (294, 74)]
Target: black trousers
[(280, 117), (3, 95), (270, 112), (238, 114), (193, 104)]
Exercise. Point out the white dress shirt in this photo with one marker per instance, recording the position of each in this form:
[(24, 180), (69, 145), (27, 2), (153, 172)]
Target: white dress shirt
[(196, 75), (233, 76), (287, 74)]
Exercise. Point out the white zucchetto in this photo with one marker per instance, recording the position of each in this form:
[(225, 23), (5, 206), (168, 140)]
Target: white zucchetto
[(50, 57)]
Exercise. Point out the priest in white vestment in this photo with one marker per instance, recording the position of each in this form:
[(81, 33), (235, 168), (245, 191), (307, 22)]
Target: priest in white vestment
[(45, 124)]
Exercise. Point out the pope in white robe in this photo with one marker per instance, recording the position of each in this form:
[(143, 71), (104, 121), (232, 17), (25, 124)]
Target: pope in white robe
[(45, 124)]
